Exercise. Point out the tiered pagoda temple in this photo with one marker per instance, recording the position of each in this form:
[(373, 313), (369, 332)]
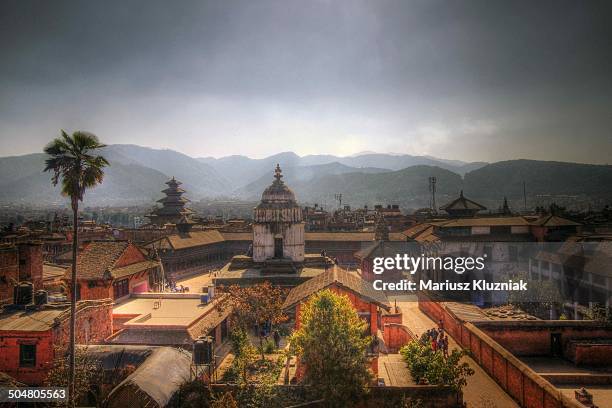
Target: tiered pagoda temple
[(173, 209)]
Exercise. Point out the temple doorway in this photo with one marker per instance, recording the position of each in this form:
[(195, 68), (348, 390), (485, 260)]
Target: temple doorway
[(278, 247)]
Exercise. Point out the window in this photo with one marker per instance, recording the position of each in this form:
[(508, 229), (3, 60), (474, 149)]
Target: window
[(121, 288), (27, 355)]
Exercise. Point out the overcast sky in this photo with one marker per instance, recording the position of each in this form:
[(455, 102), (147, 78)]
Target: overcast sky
[(476, 80)]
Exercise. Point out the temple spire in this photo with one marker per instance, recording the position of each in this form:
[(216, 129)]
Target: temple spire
[(278, 173)]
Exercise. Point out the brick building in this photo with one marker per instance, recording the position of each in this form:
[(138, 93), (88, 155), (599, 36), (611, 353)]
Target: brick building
[(114, 269), (29, 335), (170, 319), (368, 302), (20, 262)]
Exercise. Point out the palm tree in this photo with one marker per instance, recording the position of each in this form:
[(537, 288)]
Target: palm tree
[(72, 160)]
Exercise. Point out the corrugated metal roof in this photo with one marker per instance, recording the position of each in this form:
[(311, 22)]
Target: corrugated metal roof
[(31, 321)]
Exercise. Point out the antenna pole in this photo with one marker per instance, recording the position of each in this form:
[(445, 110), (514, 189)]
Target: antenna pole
[(524, 197), (432, 189)]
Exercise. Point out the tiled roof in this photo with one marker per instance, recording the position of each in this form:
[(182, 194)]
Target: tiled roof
[(555, 221), (483, 222), (237, 236), (339, 236), (52, 271), (385, 248), (211, 320), (43, 318), (194, 238), (463, 203), (98, 257), (341, 277), (133, 268), (32, 321), (397, 236)]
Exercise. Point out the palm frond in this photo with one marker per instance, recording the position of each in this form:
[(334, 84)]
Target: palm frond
[(71, 161)]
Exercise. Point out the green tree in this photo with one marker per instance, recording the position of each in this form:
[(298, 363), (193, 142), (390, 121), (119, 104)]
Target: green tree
[(332, 343), (540, 297), (254, 306), (73, 162), (424, 363)]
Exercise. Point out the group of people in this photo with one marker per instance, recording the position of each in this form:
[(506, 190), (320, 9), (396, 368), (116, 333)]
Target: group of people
[(438, 339), (171, 286)]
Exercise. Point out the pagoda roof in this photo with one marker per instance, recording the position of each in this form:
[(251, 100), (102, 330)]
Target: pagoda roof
[(173, 199), (173, 182), (463, 203), (172, 210), (172, 190)]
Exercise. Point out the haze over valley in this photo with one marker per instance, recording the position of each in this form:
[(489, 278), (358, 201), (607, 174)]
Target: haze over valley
[(137, 174)]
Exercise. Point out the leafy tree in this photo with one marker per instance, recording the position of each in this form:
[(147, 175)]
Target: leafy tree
[(599, 312), (332, 344), (424, 363), (244, 354), (225, 400), (73, 161), (255, 306), (540, 297)]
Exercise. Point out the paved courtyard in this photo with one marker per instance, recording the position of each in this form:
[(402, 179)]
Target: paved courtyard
[(394, 371), (481, 390), (196, 283)]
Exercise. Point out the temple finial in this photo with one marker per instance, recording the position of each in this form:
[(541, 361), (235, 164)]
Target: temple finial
[(278, 173)]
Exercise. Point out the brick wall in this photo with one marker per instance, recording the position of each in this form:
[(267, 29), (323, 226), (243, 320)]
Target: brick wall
[(131, 255), (9, 272), (31, 263), (522, 383), (533, 338), (591, 354), (396, 336), (391, 318), (9, 357), (94, 324), (90, 290)]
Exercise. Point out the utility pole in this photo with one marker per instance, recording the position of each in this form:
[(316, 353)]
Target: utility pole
[(524, 197), (338, 198), (432, 190)]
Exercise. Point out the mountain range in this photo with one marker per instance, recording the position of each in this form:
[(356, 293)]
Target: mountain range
[(137, 175)]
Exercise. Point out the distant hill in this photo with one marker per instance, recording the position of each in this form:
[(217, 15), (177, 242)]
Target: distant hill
[(199, 178), (300, 175), (22, 181), (241, 169), (542, 178), (137, 175), (408, 187)]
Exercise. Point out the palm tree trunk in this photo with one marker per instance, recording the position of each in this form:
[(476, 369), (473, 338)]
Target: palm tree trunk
[(73, 298)]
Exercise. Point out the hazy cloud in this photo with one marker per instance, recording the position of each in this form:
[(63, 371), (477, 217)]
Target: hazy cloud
[(471, 80)]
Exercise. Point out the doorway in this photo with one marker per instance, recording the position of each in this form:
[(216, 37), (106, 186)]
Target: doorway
[(278, 247)]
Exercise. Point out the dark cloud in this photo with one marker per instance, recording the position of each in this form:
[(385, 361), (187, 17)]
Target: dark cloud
[(473, 80)]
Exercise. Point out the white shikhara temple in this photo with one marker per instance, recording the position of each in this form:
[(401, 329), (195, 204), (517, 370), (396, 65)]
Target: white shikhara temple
[(278, 253), (278, 229)]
